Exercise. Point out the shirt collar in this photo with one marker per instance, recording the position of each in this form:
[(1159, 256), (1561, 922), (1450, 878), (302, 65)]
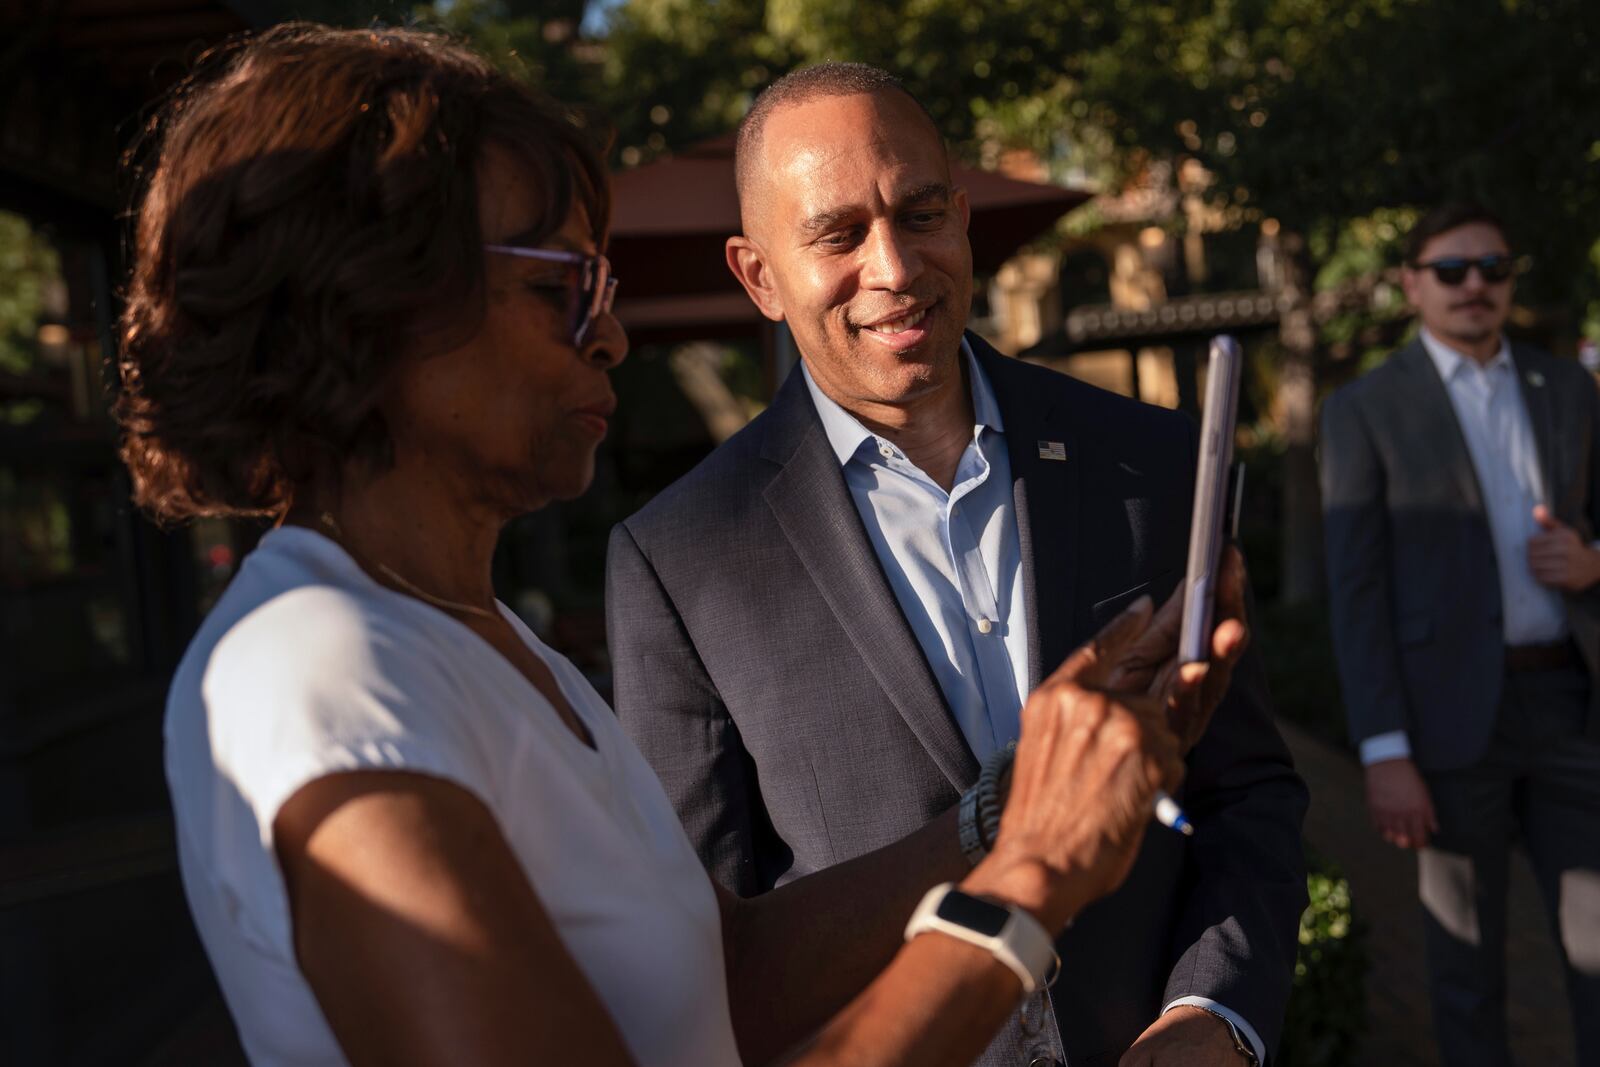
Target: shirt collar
[(846, 434), (1449, 361)]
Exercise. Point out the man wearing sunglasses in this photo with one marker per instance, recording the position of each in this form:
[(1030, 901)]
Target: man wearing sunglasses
[(1461, 490)]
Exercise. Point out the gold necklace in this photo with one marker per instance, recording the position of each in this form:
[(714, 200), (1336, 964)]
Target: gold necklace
[(327, 519)]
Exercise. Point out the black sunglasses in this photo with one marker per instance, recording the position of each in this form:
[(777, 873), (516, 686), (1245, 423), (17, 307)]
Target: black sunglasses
[(1452, 270), (597, 287)]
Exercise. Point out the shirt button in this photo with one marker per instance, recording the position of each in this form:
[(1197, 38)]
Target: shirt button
[(885, 451), (984, 626), (1042, 1059)]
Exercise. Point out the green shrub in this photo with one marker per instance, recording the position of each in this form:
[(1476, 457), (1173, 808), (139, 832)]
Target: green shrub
[(1328, 1007)]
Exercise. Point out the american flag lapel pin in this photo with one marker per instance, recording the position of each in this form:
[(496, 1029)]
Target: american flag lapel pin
[(1056, 450), (1535, 379)]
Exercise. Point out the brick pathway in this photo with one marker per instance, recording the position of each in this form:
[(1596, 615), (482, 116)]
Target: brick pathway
[(1383, 886)]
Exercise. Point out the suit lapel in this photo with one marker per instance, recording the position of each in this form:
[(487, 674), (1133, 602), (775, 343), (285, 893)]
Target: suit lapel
[(1434, 417), (814, 508), (1539, 403), (1045, 494)]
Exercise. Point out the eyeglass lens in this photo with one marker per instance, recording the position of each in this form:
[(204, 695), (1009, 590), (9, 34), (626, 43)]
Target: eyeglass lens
[(599, 293), (596, 290), (1453, 271)]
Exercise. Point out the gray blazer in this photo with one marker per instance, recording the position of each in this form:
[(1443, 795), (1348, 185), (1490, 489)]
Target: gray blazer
[(763, 666), (1413, 582)]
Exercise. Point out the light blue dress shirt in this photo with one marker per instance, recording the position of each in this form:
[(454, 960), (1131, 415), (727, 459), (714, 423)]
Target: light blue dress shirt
[(1494, 420), (954, 562), (952, 559)]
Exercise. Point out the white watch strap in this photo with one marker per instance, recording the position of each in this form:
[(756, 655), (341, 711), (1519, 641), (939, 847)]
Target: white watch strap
[(1021, 942)]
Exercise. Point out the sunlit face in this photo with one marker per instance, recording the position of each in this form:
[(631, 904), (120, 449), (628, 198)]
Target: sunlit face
[(516, 412), (859, 242), (1472, 312)]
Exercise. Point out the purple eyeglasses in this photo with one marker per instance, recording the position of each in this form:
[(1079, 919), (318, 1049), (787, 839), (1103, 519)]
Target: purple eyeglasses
[(597, 287)]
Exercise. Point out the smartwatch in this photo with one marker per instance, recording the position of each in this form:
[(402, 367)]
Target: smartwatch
[(1240, 1045), (1005, 931)]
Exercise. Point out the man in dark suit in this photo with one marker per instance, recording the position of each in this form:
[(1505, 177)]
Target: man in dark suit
[(821, 632), (1461, 484)]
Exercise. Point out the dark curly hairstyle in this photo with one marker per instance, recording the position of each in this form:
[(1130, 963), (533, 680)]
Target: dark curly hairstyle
[(311, 216)]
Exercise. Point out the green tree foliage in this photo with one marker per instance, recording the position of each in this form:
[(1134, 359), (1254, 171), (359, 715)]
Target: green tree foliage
[(540, 40), (1327, 1008), (679, 71), (1313, 112), (705, 60), (28, 265), (1321, 113)]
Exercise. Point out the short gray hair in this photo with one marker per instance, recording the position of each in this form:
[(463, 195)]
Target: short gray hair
[(802, 86)]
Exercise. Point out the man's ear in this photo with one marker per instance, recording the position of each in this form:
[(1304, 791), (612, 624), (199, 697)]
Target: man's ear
[(749, 264), (1409, 283), (964, 207)]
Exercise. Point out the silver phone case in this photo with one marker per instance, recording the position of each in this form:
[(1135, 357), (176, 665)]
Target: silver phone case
[(1210, 497)]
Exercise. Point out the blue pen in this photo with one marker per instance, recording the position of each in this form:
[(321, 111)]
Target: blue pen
[(1168, 813)]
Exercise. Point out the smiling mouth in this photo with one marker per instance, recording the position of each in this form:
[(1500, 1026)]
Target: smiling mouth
[(900, 325)]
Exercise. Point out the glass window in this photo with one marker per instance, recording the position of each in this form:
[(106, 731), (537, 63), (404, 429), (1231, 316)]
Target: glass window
[(69, 603)]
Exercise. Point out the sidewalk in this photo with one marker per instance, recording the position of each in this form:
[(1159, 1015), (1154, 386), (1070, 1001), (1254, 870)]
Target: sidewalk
[(1383, 888)]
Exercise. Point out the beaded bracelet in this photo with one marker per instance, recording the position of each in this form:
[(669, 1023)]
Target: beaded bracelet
[(979, 817)]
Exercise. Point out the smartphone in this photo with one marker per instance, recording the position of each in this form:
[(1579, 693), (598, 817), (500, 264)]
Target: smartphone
[(1211, 499)]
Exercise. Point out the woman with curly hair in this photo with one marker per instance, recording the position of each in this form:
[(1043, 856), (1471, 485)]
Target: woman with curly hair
[(370, 300)]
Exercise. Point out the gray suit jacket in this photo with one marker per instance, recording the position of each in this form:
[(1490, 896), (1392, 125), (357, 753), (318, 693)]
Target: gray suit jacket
[(764, 667), (1413, 582)]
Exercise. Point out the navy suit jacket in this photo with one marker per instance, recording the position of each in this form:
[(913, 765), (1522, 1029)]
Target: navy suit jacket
[(764, 668), (1412, 576)]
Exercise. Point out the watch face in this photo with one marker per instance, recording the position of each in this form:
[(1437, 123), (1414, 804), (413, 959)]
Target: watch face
[(980, 915)]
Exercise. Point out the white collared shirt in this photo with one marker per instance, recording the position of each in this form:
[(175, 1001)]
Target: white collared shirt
[(1499, 435), (953, 559), (954, 562)]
